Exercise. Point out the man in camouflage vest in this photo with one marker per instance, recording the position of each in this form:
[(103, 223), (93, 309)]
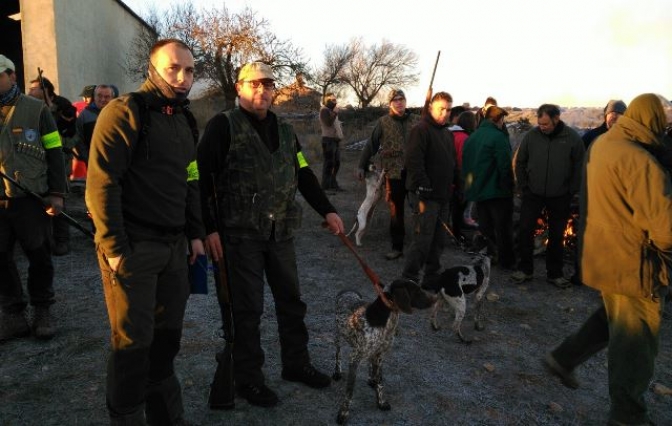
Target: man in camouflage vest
[(389, 139), (256, 161), (30, 153)]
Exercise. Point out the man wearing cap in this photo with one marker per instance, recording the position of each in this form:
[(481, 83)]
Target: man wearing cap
[(389, 139), (488, 180), (87, 97), (256, 163), (332, 133), (142, 192), (86, 121), (31, 153), (613, 110), (547, 168), (625, 253)]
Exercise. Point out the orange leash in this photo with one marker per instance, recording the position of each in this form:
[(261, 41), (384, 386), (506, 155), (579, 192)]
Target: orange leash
[(367, 270)]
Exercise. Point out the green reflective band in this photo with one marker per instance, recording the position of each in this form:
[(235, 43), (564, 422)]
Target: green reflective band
[(192, 171), (302, 160), (51, 140)]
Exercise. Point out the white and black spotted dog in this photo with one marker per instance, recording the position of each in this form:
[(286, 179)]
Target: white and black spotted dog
[(453, 284), (375, 187), (369, 329)]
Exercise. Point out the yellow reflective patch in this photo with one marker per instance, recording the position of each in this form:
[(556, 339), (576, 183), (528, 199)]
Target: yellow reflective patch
[(51, 140), (192, 171), (302, 160)]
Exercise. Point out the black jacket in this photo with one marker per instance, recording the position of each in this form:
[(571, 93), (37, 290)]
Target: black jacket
[(431, 160)]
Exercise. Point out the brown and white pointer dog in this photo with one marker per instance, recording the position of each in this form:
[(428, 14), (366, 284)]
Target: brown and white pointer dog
[(369, 329), (454, 284)]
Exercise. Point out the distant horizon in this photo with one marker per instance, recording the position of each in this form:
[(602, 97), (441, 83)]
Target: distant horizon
[(571, 53), (200, 91)]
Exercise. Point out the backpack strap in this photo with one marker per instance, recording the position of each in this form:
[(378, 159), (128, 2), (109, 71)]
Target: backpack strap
[(145, 119), (192, 122)]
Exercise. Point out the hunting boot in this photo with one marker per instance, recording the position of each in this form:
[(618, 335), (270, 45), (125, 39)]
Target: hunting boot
[(13, 325), (43, 323)]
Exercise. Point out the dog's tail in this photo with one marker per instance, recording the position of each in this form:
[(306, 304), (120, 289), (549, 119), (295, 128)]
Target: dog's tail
[(354, 227)]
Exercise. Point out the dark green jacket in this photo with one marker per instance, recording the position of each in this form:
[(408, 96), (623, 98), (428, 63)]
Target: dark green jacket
[(486, 164), (549, 165)]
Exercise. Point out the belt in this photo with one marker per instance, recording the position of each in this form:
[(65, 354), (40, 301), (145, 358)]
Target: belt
[(170, 230)]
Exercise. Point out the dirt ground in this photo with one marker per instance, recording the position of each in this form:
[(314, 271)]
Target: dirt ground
[(430, 378)]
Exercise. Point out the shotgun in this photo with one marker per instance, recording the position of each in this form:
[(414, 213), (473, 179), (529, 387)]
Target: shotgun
[(428, 97), (67, 217), (48, 102), (222, 390), (44, 90)]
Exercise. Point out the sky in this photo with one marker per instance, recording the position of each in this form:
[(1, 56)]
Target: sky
[(574, 53)]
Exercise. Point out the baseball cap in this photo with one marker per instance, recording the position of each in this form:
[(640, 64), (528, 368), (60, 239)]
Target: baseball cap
[(615, 106), (395, 93), (6, 64), (255, 71), (87, 91)]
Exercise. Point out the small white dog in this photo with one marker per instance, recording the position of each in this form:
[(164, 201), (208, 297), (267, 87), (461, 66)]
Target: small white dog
[(375, 188)]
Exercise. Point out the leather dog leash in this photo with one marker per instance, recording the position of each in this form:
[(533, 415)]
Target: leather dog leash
[(369, 272)]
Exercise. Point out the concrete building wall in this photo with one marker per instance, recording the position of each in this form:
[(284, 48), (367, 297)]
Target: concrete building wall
[(39, 39), (78, 43)]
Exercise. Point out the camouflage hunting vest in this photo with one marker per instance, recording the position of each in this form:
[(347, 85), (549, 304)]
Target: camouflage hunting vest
[(22, 155), (395, 133), (257, 188)]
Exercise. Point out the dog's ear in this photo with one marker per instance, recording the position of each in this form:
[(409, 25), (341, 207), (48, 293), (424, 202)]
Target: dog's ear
[(399, 289)]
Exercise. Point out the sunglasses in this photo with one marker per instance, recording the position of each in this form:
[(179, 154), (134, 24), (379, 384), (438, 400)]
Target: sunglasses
[(268, 85)]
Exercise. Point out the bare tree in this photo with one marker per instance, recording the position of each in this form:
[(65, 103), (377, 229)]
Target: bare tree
[(136, 59), (177, 23), (222, 42), (336, 58), (378, 67), (230, 40)]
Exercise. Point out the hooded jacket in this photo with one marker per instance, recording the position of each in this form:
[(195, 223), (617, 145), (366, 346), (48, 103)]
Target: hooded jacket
[(625, 243)]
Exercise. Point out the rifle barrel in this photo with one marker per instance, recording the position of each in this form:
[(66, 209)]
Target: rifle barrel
[(436, 64), (44, 90), (67, 217)]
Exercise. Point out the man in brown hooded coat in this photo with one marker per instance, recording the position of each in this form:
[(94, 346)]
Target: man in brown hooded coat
[(626, 204)]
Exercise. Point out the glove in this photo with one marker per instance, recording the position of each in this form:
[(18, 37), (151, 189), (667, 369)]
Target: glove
[(424, 193), (360, 174)]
